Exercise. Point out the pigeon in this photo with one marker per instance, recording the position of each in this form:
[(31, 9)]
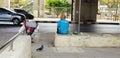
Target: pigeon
[(40, 49)]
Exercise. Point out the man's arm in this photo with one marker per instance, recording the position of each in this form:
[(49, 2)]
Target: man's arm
[(58, 26)]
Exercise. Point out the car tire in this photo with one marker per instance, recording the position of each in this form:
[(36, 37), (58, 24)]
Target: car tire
[(16, 21)]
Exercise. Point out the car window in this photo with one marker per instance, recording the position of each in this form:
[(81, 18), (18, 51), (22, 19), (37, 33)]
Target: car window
[(0, 10), (4, 11)]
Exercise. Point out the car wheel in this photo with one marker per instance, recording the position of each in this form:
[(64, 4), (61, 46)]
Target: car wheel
[(16, 21)]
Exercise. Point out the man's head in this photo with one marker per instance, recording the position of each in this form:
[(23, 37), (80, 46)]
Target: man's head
[(62, 17)]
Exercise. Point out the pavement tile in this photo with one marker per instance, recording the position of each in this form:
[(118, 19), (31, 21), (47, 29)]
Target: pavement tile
[(74, 52)]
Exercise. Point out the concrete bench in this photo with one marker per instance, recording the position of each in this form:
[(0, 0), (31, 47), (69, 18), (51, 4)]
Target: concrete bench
[(87, 40)]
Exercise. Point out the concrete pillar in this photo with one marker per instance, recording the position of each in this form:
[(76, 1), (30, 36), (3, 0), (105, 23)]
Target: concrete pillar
[(8, 4), (38, 8), (35, 7), (88, 10), (76, 10), (41, 6)]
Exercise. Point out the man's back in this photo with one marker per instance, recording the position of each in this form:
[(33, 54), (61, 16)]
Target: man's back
[(63, 26)]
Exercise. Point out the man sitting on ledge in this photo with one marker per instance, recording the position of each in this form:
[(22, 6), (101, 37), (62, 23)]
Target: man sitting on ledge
[(63, 25)]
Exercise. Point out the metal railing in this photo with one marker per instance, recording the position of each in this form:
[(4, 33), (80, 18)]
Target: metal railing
[(10, 41)]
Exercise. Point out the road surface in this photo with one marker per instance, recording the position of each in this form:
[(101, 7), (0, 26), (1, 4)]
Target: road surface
[(96, 28)]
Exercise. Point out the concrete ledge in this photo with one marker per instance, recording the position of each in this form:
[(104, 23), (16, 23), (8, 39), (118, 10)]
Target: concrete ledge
[(21, 48), (48, 37), (87, 40)]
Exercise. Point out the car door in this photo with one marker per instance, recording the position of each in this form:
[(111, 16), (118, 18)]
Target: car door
[(5, 15)]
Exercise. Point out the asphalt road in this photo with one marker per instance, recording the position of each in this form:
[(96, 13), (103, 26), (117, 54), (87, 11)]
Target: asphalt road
[(7, 31), (52, 27), (94, 28), (100, 28)]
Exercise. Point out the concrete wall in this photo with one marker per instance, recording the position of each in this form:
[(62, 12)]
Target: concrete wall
[(84, 40), (21, 48)]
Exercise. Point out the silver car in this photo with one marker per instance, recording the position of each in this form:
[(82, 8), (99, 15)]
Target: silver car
[(11, 16)]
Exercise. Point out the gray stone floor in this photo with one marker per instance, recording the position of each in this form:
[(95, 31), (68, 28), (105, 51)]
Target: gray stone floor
[(72, 52), (76, 52)]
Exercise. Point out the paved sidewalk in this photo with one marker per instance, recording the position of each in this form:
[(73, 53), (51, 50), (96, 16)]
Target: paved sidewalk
[(76, 52), (71, 52)]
